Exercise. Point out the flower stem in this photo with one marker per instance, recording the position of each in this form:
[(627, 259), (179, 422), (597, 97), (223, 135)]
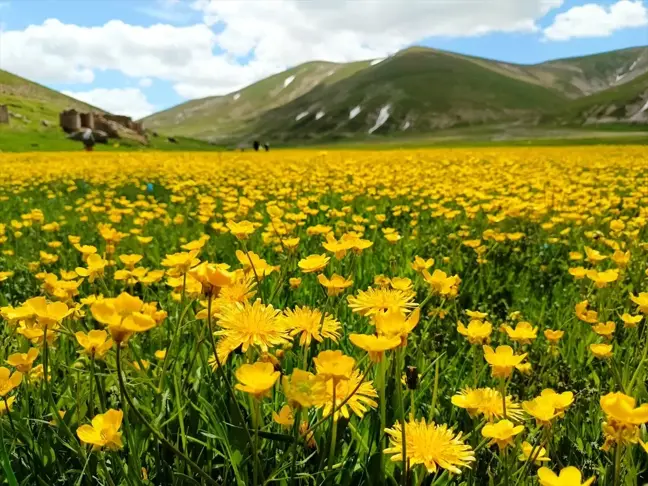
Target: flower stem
[(617, 464), (293, 465), (503, 393), (126, 397), (399, 397), (383, 412), (333, 429)]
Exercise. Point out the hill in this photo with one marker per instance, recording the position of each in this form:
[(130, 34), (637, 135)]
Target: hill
[(416, 90), (31, 103)]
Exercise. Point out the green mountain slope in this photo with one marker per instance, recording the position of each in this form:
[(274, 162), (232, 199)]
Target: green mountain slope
[(417, 90), (625, 103), (230, 114), (30, 103)]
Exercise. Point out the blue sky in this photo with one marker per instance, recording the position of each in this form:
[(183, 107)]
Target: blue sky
[(139, 56)]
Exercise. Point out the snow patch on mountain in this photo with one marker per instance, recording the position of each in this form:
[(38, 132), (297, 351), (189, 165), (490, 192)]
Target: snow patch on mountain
[(288, 81), (354, 112), (383, 116), (319, 115), (301, 115)]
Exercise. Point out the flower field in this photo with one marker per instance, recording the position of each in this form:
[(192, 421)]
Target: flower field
[(445, 317)]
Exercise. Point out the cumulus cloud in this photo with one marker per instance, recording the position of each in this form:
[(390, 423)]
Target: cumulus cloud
[(145, 82), (203, 59), (592, 20), (120, 101)]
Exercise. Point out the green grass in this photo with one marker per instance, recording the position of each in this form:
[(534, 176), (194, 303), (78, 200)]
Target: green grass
[(54, 140)]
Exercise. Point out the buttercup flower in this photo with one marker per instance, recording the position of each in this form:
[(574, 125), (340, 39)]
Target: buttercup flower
[(375, 345), (601, 350), (334, 365), (104, 431), (477, 332), (335, 285), (256, 379), (95, 344), (502, 360), (502, 433), (23, 361), (313, 263), (569, 476)]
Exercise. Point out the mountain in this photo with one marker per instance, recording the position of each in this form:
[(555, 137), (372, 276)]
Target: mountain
[(231, 113), (416, 90), (30, 103)]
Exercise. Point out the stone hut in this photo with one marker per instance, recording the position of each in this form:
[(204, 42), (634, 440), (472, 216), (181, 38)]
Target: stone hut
[(70, 121), (4, 114), (87, 120)]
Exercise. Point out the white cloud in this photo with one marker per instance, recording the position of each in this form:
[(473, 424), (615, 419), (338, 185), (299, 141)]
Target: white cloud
[(201, 60), (592, 20), (120, 101), (145, 82)]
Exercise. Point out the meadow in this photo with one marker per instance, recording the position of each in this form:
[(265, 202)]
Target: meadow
[(443, 316)]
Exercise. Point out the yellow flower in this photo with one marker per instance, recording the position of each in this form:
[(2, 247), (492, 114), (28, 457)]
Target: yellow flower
[(442, 284), (313, 263), (104, 431), (601, 350), (47, 314), (621, 409), (585, 315), (23, 362), (560, 401), (601, 279), (578, 272), (130, 261), (122, 315), (96, 266), (476, 315), (486, 402), (256, 379), (630, 321), (254, 324), (6, 406), (160, 354), (553, 336), (242, 230), (310, 324), (606, 330), (394, 323), (524, 368), (375, 345), (400, 283), (374, 301), (542, 409), (334, 364), (502, 433), (212, 277), (335, 285), (641, 300), (419, 264), (294, 282), (621, 259), (539, 454), (431, 445), (180, 263), (303, 389), (477, 332), (360, 395), (524, 332), (285, 417), (5, 275), (575, 255), (502, 360), (594, 256), (95, 343), (8, 381), (569, 476)]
